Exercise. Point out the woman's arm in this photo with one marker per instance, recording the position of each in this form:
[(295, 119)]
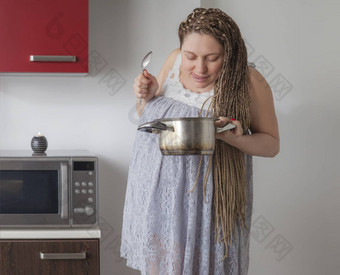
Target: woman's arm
[(265, 140), (146, 86)]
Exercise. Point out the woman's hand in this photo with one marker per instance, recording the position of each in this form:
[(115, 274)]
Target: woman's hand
[(229, 136), (145, 86)]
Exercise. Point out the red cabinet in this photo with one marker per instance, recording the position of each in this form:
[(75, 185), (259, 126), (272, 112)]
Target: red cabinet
[(44, 36)]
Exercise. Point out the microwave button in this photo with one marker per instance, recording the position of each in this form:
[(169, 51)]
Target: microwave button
[(91, 173), (90, 183), (84, 191), (90, 200), (84, 183), (77, 191), (90, 191), (89, 210), (77, 183), (78, 210)]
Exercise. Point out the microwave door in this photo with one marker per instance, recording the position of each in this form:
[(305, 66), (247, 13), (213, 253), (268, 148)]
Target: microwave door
[(34, 194)]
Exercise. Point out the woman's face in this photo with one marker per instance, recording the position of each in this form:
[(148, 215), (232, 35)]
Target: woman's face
[(202, 59)]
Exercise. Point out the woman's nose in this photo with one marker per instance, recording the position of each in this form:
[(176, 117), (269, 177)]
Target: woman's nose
[(201, 66)]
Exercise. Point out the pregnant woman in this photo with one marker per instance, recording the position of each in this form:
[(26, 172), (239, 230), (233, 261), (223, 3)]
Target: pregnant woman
[(169, 227)]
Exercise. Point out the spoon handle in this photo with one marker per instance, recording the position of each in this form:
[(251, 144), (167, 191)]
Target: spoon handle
[(145, 62), (141, 99)]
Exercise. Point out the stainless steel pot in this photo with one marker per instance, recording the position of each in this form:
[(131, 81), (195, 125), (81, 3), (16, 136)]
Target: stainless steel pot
[(185, 136)]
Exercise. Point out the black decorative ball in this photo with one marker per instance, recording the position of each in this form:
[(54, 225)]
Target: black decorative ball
[(39, 144)]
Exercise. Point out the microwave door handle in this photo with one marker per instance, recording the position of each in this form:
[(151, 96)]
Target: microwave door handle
[(64, 192)]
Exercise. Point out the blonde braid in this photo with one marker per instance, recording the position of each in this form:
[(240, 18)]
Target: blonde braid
[(231, 99)]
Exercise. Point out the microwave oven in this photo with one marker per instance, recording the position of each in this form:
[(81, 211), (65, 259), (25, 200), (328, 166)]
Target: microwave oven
[(56, 189)]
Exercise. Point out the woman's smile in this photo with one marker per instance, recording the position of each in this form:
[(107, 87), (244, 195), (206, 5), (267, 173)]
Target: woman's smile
[(199, 78)]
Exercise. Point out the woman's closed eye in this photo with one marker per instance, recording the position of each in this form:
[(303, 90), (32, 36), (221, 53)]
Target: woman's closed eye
[(212, 58), (191, 57), (209, 58)]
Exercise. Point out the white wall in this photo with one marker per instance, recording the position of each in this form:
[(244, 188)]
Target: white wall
[(97, 112), (296, 193), (296, 220)]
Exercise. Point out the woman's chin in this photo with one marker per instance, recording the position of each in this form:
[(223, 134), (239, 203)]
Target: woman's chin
[(203, 87)]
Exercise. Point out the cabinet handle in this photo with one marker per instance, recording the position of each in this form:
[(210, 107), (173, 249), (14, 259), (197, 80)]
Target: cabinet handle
[(53, 58), (63, 256)]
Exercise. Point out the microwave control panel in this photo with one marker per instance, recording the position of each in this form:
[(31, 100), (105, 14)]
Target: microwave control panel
[(84, 198)]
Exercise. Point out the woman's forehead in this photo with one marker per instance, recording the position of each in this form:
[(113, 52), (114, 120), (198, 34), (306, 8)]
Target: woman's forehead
[(202, 43)]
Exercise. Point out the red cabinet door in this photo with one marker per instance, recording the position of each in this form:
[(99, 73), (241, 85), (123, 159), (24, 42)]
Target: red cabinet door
[(52, 29)]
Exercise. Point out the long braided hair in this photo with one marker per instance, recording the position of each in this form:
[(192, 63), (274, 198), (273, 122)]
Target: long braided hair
[(231, 99)]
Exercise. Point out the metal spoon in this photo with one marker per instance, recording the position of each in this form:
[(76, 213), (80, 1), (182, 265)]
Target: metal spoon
[(145, 62)]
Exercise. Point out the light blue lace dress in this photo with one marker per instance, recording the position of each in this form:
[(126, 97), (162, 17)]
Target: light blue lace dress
[(167, 229)]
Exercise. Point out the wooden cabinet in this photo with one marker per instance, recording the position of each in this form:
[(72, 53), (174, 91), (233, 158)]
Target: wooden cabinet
[(58, 29), (49, 257)]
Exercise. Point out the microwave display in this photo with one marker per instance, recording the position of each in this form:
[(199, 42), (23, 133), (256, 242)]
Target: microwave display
[(28, 192), (83, 166)]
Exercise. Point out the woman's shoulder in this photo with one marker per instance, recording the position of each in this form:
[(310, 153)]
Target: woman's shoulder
[(258, 84), (262, 111), (169, 62), (167, 66)]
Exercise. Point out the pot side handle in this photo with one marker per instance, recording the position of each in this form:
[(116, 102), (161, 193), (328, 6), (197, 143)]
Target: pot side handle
[(229, 126), (154, 127)]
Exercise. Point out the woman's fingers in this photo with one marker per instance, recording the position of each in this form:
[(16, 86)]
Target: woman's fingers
[(145, 85), (142, 80), (237, 131), (222, 121), (141, 85)]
